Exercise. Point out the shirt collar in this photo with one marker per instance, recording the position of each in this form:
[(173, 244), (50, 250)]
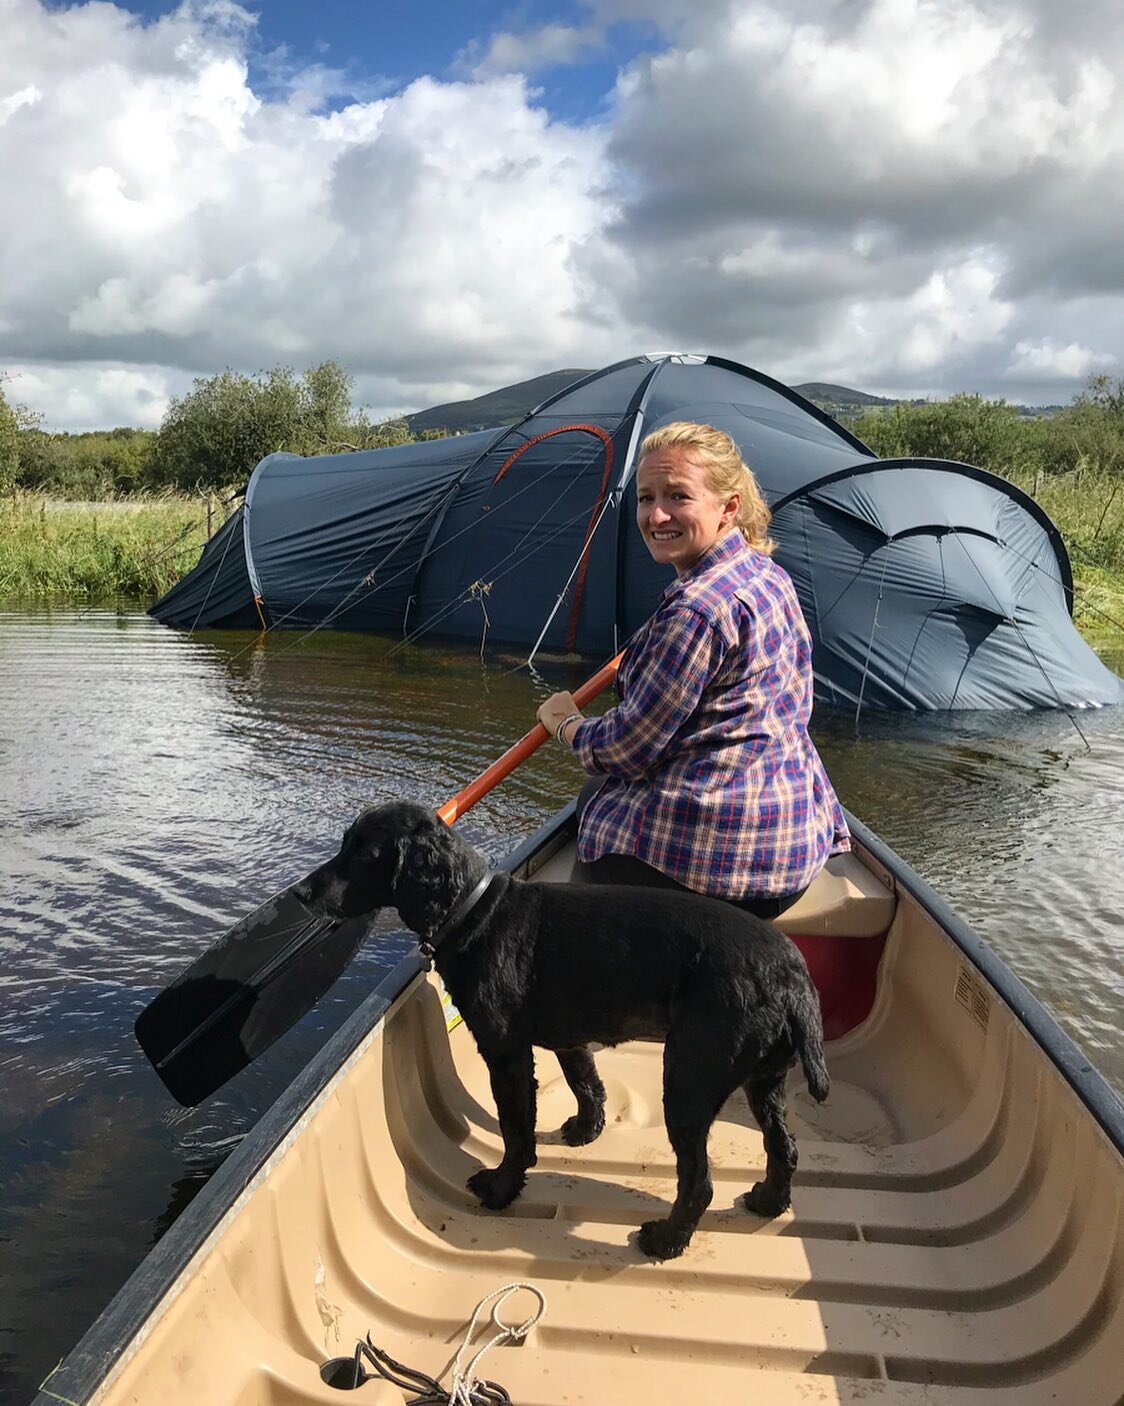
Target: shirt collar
[(722, 552)]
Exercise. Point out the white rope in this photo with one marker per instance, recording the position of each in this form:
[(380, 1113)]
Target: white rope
[(464, 1382)]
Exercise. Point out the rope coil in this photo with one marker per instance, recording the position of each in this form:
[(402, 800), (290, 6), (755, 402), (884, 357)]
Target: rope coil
[(462, 1390), (465, 1387)]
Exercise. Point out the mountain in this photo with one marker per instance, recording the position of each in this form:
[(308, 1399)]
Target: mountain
[(511, 403), (824, 394)]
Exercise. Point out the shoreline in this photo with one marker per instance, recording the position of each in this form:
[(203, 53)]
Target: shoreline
[(93, 553)]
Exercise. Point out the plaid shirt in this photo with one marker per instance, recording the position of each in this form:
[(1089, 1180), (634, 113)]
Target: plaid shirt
[(713, 778)]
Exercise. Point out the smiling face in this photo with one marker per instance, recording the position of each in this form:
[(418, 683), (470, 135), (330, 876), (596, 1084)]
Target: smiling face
[(678, 512)]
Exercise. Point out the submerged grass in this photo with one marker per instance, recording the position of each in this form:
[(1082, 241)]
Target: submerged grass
[(98, 552)]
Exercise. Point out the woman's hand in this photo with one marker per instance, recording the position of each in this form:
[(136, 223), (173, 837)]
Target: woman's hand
[(557, 708)]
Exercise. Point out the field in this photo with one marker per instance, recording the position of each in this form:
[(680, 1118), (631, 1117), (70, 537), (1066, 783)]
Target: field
[(95, 553)]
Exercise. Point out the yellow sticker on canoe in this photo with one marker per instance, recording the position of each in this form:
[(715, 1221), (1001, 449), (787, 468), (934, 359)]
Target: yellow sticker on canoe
[(453, 1017)]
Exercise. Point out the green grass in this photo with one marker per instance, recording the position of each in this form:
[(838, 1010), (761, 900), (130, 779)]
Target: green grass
[(1088, 508), (98, 552)]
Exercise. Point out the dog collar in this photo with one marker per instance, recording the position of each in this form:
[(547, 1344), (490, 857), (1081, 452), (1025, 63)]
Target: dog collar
[(458, 914)]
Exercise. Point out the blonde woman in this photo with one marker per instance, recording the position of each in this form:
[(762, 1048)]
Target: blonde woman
[(704, 776)]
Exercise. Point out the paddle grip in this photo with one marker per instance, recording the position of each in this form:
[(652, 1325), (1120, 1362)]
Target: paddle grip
[(463, 801)]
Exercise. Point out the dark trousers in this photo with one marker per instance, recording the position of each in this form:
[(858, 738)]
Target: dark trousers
[(627, 869)]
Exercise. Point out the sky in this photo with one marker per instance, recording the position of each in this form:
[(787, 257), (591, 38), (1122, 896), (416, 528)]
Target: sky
[(910, 197)]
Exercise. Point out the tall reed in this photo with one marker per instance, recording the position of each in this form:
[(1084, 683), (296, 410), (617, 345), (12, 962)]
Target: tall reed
[(91, 552), (1087, 506)]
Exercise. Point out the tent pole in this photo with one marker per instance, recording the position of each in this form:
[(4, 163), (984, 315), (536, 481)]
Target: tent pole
[(586, 545), (636, 408)]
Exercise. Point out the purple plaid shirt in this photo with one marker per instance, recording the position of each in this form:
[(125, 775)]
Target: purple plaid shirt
[(713, 778)]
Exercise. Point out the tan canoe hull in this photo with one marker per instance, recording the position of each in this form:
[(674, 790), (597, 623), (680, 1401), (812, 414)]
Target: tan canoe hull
[(956, 1232)]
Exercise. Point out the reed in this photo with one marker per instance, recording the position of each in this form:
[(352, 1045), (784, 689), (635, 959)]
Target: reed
[(1087, 506), (98, 552)]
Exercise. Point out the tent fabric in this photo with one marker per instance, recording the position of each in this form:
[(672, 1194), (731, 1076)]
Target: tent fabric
[(926, 584)]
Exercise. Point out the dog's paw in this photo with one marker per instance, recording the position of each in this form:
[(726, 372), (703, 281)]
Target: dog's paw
[(577, 1131), (660, 1241), (495, 1189), (762, 1200)]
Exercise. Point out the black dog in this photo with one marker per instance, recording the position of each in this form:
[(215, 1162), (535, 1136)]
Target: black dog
[(561, 965)]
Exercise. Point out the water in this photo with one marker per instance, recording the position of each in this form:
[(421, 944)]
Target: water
[(155, 787)]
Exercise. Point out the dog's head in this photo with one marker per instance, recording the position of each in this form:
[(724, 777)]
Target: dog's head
[(395, 855)]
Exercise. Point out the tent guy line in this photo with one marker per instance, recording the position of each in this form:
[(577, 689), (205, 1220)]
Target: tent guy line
[(908, 626), (366, 579)]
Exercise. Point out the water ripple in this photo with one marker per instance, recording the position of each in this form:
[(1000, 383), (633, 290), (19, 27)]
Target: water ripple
[(154, 787)]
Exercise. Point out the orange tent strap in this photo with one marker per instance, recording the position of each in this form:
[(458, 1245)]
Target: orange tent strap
[(583, 560)]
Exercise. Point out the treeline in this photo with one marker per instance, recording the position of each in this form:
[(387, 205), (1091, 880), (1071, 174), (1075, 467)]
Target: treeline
[(1088, 434), (1072, 462), (210, 438)]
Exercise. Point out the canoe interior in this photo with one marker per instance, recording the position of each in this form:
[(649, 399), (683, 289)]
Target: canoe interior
[(956, 1233)]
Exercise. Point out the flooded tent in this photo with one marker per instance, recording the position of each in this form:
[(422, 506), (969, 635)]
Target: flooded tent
[(926, 584)]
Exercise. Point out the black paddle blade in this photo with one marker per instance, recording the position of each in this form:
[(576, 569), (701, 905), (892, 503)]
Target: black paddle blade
[(243, 993)]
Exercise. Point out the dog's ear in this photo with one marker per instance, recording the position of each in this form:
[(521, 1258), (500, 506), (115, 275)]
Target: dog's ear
[(428, 874)]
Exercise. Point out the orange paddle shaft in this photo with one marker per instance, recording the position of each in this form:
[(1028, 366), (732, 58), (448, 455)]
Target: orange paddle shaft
[(503, 766)]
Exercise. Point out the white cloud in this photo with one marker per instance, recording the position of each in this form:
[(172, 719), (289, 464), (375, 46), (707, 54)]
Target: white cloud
[(10, 105), (1051, 361), (905, 193), (104, 396), (528, 52)]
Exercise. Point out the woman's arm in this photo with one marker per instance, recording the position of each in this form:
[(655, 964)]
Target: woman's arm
[(682, 654)]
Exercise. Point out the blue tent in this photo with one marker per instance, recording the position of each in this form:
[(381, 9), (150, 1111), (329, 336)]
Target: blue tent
[(926, 584)]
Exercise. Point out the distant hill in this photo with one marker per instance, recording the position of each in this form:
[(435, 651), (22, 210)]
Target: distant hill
[(823, 393), (511, 403)]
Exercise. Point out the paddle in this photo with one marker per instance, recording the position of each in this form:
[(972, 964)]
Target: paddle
[(271, 968)]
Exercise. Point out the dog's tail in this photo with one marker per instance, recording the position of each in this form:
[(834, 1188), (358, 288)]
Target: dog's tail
[(806, 1026)]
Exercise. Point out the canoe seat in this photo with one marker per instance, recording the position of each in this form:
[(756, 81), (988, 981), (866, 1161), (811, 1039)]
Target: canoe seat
[(844, 900)]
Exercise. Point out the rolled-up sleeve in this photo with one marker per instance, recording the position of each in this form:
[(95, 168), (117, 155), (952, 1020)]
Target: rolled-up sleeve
[(681, 655)]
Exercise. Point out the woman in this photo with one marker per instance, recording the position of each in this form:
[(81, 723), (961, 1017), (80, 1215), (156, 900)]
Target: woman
[(708, 777)]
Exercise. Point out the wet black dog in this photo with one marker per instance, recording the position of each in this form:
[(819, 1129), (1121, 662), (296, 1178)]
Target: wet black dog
[(563, 965)]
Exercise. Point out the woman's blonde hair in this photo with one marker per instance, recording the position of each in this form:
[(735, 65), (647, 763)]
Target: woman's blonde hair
[(727, 473)]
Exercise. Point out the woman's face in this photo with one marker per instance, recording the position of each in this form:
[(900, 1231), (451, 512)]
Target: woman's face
[(677, 511)]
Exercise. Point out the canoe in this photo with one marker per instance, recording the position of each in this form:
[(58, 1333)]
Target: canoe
[(956, 1233)]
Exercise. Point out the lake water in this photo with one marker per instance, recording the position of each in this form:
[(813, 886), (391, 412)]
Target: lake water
[(154, 787)]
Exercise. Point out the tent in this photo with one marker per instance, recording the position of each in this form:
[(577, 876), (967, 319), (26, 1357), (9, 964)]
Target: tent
[(926, 584)]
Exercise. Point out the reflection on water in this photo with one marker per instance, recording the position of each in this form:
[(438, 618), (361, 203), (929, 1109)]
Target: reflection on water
[(156, 787)]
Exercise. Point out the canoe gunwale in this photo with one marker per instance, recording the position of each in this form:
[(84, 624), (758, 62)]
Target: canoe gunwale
[(95, 1358)]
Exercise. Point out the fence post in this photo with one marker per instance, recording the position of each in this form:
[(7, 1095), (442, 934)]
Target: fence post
[(210, 517)]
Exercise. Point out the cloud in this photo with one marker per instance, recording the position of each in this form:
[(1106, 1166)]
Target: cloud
[(869, 189), (104, 396), (533, 50), (174, 219), (920, 196), (1050, 361)]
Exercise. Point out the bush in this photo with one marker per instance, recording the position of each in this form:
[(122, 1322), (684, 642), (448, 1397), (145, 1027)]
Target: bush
[(966, 428)]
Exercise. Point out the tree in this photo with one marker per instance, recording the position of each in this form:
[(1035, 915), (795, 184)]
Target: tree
[(14, 420), (225, 424), (324, 403), (1089, 434)]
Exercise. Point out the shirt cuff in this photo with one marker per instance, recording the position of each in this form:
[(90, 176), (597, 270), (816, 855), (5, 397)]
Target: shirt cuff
[(581, 742)]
